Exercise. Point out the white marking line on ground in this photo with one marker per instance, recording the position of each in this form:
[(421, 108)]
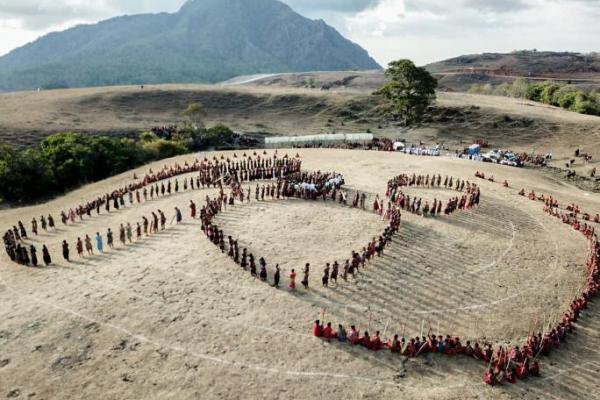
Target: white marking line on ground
[(275, 370), (207, 357), (150, 300)]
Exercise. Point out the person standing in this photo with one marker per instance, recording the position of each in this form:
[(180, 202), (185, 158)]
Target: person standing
[(122, 234), (192, 209), (326, 276), (129, 232), (79, 247), (99, 244), (34, 259), (46, 255), (110, 239), (276, 276), (306, 274), (88, 245), (178, 216), (51, 221), (292, 284), (65, 250)]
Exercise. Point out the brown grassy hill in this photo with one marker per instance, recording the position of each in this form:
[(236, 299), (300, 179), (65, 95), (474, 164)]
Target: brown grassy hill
[(461, 72), (280, 105), (26, 117)]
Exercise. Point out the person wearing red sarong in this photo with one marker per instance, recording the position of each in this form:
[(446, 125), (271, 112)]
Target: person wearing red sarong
[(328, 332), (292, 284), (522, 369), (375, 342), (353, 336), (534, 369), (478, 352), (366, 340), (317, 329)]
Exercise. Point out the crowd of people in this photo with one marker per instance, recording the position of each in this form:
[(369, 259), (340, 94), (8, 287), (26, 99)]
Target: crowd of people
[(210, 173), (505, 364), (470, 198), (307, 186), (553, 337)]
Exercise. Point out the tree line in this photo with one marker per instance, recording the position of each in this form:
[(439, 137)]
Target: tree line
[(552, 93), (67, 160)]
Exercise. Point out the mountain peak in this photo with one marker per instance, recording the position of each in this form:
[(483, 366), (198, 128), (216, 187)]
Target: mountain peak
[(205, 41)]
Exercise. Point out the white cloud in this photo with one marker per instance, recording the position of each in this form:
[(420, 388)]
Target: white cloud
[(431, 30), (423, 30)]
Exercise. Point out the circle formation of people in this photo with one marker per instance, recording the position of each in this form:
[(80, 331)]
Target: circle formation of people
[(287, 180)]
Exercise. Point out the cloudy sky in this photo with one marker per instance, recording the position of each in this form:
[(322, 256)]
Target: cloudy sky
[(423, 30)]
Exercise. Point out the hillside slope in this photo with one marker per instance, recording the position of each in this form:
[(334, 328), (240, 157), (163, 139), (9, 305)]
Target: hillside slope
[(459, 73), (205, 41)]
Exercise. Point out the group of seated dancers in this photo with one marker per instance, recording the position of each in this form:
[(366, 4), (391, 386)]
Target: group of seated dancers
[(470, 198), (505, 364), (310, 186)]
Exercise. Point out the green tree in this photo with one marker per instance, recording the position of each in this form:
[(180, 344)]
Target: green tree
[(147, 137), (566, 97), (24, 175), (162, 148), (70, 156), (219, 135), (547, 96), (411, 89), (534, 92)]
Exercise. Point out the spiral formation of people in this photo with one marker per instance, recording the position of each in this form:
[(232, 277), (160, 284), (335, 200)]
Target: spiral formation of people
[(365, 272)]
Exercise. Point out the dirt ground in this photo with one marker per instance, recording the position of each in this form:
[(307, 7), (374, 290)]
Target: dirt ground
[(171, 317)]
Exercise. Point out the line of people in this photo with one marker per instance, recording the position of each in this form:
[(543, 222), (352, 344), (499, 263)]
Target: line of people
[(309, 186), (514, 362), (470, 198), (27, 256), (505, 364), (210, 174)]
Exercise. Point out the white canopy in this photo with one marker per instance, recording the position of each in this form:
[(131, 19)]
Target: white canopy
[(326, 138)]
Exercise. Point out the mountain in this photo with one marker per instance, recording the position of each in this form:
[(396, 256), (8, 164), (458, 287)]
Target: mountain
[(205, 41)]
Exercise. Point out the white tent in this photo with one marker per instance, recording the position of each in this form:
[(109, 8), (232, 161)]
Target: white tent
[(326, 138)]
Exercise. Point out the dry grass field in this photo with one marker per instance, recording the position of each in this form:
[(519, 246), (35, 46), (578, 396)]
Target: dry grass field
[(171, 317), (282, 105)]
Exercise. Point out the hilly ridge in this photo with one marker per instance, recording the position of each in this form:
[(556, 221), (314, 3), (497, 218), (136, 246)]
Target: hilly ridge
[(205, 41)]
